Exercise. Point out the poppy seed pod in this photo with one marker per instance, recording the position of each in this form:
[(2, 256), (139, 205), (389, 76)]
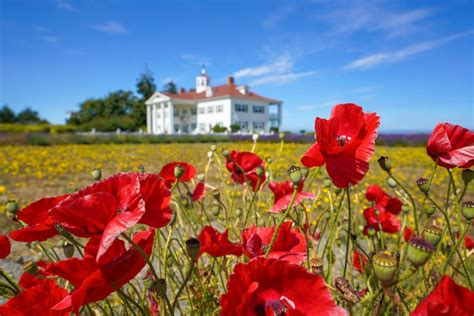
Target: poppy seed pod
[(317, 266), (178, 171), (210, 154), (467, 209), (423, 185), (238, 212), (255, 137), (213, 147), (467, 175), (30, 267), (68, 250), (405, 209), (281, 135), (259, 171), (225, 153), (337, 191), (304, 171), (159, 287), (385, 163), (371, 232), (11, 209), (432, 234), (269, 160), (96, 174), (193, 246), (215, 209), (419, 251), (327, 182), (391, 183), (295, 175), (385, 266), (141, 169), (430, 209)]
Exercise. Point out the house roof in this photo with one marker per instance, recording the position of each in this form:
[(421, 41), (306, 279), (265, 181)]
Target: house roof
[(227, 90)]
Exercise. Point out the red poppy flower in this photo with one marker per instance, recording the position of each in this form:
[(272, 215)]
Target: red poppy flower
[(452, 145), (388, 221), (407, 233), (289, 245), (28, 280), (283, 193), (116, 203), (383, 201), (468, 242), (198, 192), (345, 143), (36, 300), (358, 260), (5, 247), (243, 166), (95, 281), (40, 226), (167, 173), (276, 287), (216, 244), (447, 299)]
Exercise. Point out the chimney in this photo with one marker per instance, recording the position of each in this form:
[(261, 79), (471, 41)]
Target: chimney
[(182, 90), (230, 80)]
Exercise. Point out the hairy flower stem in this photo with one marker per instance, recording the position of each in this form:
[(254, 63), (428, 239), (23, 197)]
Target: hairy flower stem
[(455, 247), (285, 215), (412, 200), (453, 239), (349, 231), (8, 278), (247, 215), (181, 288)]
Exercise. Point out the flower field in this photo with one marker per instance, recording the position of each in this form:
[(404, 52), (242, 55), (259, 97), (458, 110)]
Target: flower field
[(241, 229)]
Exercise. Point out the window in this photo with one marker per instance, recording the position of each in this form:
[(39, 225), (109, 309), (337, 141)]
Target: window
[(184, 111), (258, 109), (202, 127), (219, 108), (244, 125), (193, 126), (176, 127), (210, 109), (258, 125), (201, 110), (193, 111), (176, 112), (241, 107)]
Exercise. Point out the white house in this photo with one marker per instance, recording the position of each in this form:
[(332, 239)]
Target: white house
[(198, 110)]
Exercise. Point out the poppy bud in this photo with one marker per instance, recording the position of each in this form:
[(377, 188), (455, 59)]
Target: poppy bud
[(295, 175), (467, 175), (215, 209), (225, 153), (467, 209), (141, 169), (304, 171), (419, 251), (216, 194), (337, 191), (327, 182), (193, 246), (269, 160), (259, 171), (30, 267), (148, 283), (385, 163), (317, 266), (371, 232), (178, 171), (405, 209), (201, 177), (255, 137), (213, 147), (210, 154), (11, 209), (96, 174), (385, 266), (159, 287), (281, 135), (345, 290), (68, 250), (423, 185), (430, 209), (186, 201), (391, 183), (238, 212), (432, 234)]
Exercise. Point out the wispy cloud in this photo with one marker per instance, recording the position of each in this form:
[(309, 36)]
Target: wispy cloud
[(112, 27), (195, 59), (399, 55), (279, 79), (64, 5), (49, 39), (276, 17), (282, 64)]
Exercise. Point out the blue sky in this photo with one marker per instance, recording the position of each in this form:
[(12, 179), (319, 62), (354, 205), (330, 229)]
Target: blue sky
[(410, 61)]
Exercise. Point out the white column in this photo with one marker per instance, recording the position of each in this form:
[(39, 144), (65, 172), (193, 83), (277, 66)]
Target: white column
[(279, 117), (162, 115), (171, 120), (148, 120)]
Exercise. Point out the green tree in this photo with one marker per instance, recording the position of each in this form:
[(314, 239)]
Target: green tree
[(145, 87), (7, 115), (170, 87), (29, 116)]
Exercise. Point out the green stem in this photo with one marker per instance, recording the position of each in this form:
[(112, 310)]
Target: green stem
[(411, 200), (181, 288), (285, 215), (349, 231), (456, 246)]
